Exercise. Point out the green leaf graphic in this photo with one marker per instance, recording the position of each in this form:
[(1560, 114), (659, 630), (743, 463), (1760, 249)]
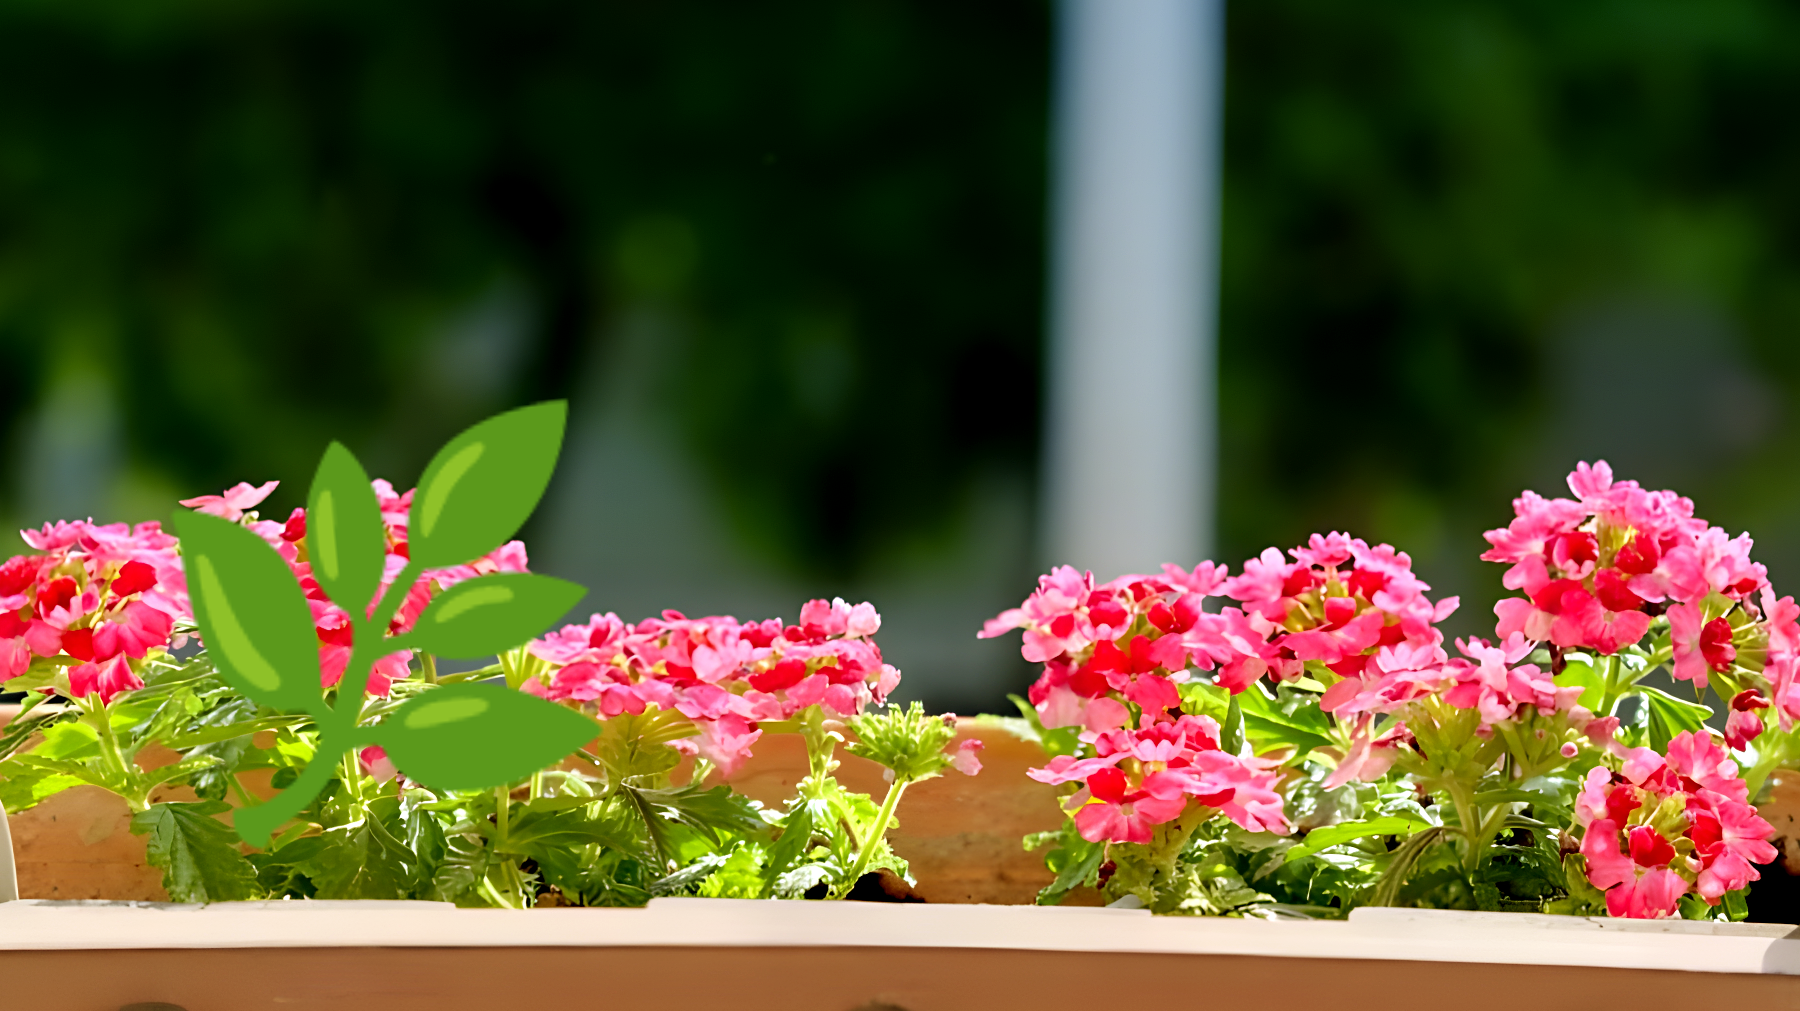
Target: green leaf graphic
[(251, 612), (197, 853), (345, 541), (489, 614), (476, 736), (482, 486)]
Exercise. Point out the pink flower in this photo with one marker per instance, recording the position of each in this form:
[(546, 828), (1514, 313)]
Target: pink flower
[(235, 500), (726, 742), (108, 678), (1116, 815), (1698, 757), (1743, 725), (966, 759), (1686, 624), (132, 632), (375, 762)]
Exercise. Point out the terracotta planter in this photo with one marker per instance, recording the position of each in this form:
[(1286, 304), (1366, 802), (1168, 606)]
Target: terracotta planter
[(959, 833), (817, 956)]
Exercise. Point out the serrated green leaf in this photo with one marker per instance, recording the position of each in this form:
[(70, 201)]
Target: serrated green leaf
[(791, 845), (362, 860), (1292, 719), (1670, 716), (199, 856), (601, 823), (252, 613), (478, 736), (713, 813), (490, 614), (483, 485), (1075, 861), (346, 542)]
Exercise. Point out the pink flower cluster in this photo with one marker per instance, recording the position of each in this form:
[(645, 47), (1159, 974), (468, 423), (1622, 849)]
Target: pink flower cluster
[(724, 675), (1139, 779), (1129, 641), (1684, 821), (101, 595), (1491, 679), (331, 622), (1596, 568)]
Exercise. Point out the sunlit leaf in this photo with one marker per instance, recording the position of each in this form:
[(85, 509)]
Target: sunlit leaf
[(198, 855)]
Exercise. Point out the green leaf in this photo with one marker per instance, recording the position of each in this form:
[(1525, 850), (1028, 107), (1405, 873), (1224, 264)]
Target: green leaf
[(345, 539), (603, 823), (361, 860), (25, 786), (482, 486), (1332, 835), (713, 813), (252, 614), (796, 838), (198, 855), (1580, 670), (1231, 732), (490, 614), (478, 736), (1670, 716), (1076, 862), (1292, 719), (904, 740)]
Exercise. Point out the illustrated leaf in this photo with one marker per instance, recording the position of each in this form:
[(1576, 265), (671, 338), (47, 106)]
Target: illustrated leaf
[(482, 486), (345, 540), (1670, 716), (1332, 835), (198, 855), (251, 612), (490, 614), (476, 736)]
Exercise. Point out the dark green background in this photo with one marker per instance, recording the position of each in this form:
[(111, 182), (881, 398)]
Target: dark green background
[(1465, 243)]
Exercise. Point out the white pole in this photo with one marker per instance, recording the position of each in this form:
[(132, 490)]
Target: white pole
[(1131, 427)]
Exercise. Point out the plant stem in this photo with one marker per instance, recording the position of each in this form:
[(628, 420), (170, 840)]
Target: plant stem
[(874, 838), (428, 667), (502, 814)]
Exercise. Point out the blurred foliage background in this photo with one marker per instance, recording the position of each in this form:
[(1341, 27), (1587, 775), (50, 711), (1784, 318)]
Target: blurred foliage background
[(786, 261)]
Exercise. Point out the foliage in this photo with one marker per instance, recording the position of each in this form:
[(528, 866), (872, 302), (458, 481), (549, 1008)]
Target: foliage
[(574, 770), (1315, 748)]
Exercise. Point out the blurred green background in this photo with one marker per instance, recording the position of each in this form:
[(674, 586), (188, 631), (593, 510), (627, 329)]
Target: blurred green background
[(786, 259)]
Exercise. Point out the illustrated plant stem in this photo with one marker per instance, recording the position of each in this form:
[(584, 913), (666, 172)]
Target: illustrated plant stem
[(876, 834), (337, 725), (255, 824)]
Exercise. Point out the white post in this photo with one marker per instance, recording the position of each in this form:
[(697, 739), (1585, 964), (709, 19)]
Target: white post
[(1130, 432)]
